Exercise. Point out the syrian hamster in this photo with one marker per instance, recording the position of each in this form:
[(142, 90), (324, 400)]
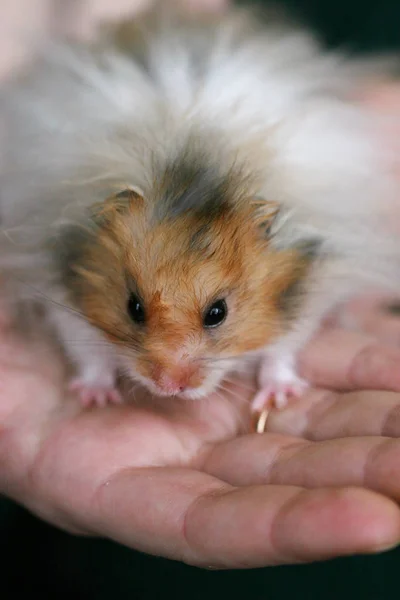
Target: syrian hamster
[(188, 193)]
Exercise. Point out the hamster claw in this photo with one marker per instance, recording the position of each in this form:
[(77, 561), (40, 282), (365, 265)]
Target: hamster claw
[(278, 394), (278, 383), (95, 395)]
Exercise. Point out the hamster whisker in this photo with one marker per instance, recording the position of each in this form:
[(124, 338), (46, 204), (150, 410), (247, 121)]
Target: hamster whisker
[(120, 336), (128, 353), (237, 412), (239, 383), (89, 343), (235, 395), (52, 301), (213, 359), (132, 388)]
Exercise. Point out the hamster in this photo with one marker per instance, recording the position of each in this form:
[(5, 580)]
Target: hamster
[(188, 193)]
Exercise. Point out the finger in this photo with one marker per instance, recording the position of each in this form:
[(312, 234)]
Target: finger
[(372, 462), (374, 314), (193, 517), (349, 360), (383, 325), (324, 415)]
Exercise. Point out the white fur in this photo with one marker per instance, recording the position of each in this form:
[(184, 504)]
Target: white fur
[(80, 124)]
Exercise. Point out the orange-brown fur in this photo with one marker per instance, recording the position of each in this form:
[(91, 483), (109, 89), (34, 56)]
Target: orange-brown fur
[(178, 274)]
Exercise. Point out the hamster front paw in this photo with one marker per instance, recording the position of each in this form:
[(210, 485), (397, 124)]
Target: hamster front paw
[(278, 383), (87, 350), (99, 390)]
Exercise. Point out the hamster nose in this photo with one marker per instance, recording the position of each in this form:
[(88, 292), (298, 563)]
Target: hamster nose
[(173, 383)]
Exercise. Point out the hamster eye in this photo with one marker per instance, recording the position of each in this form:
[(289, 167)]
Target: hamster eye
[(215, 314), (136, 310)]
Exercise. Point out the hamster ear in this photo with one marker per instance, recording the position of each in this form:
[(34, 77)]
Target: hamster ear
[(265, 214), (277, 226), (129, 193), (116, 204), (282, 235), (126, 198)]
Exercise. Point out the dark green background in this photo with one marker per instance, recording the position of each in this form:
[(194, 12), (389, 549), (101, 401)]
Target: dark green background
[(38, 558)]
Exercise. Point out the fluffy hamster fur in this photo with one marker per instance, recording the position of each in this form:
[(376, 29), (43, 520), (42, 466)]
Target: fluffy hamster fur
[(187, 160)]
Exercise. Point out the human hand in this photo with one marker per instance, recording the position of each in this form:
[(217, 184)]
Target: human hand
[(177, 480)]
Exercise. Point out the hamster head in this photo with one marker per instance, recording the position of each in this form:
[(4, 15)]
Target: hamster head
[(183, 292)]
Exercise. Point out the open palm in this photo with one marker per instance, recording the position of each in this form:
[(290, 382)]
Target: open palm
[(185, 480)]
